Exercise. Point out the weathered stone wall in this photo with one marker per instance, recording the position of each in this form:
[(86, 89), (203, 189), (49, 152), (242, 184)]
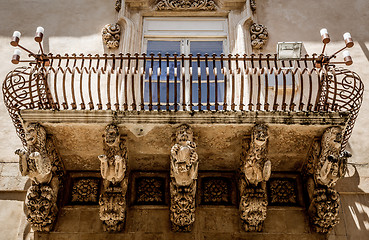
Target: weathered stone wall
[(75, 26)]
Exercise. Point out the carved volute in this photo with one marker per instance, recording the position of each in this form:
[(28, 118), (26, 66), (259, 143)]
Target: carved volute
[(113, 164), (183, 172), (42, 164), (255, 171)]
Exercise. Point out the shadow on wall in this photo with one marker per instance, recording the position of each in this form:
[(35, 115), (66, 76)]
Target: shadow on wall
[(354, 205), (59, 18)]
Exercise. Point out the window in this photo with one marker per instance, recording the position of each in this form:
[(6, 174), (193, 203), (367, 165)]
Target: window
[(182, 36)]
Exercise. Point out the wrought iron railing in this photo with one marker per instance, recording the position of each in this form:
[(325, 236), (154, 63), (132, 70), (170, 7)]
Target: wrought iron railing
[(181, 83)]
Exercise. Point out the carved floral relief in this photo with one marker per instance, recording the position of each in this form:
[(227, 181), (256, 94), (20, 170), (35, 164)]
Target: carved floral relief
[(193, 5)]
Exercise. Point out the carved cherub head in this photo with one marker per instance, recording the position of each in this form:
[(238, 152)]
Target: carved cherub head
[(111, 135), (184, 134), (35, 134)]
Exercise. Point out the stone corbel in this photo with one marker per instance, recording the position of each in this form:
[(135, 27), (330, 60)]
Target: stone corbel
[(111, 35), (325, 166), (115, 180), (42, 164), (183, 172), (255, 171)]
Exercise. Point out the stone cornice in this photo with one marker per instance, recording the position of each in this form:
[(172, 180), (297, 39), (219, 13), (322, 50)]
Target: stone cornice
[(118, 117)]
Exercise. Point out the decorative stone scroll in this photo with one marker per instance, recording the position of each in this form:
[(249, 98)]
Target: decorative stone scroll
[(42, 164), (118, 5), (183, 172), (111, 35), (259, 35), (115, 180), (191, 5), (253, 5), (255, 171), (325, 166)]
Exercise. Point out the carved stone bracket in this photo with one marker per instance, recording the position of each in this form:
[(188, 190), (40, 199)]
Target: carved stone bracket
[(255, 171), (325, 166), (259, 35), (115, 180), (192, 5), (111, 35), (183, 172), (42, 164)]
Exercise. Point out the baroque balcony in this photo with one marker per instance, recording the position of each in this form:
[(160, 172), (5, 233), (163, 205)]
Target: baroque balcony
[(231, 103)]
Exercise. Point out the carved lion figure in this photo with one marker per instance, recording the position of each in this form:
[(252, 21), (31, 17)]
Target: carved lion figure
[(41, 207), (35, 163), (184, 159)]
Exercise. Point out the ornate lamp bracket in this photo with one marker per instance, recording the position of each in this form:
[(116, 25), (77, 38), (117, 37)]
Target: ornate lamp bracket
[(183, 172), (115, 180), (255, 171), (325, 166), (42, 164)]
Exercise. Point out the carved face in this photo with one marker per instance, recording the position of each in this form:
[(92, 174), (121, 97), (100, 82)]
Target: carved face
[(260, 134), (184, 134), (112, 207), (112, 135), (41, 205), (254, 211)]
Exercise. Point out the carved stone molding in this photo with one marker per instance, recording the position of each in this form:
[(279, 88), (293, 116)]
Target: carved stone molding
[(85, 191), (255, 171), (325, 166), (192, 5), (115, 180), (111, 35), (259, 35), (42, 164), (183, 172)]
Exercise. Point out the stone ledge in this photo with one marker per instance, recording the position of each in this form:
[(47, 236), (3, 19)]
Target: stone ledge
[(196, 117)]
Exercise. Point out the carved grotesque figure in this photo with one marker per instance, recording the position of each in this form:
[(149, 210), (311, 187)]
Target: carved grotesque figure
[(331, 165), (42, 164), (184, 168), (253, 207), (111, 35), (113, 162), (113, 170), (35, 162), (184, 157), (256, 167), (325, 166), (255, 170)]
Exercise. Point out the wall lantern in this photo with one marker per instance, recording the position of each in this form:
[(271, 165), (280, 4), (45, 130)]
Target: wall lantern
[(289, 50)]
